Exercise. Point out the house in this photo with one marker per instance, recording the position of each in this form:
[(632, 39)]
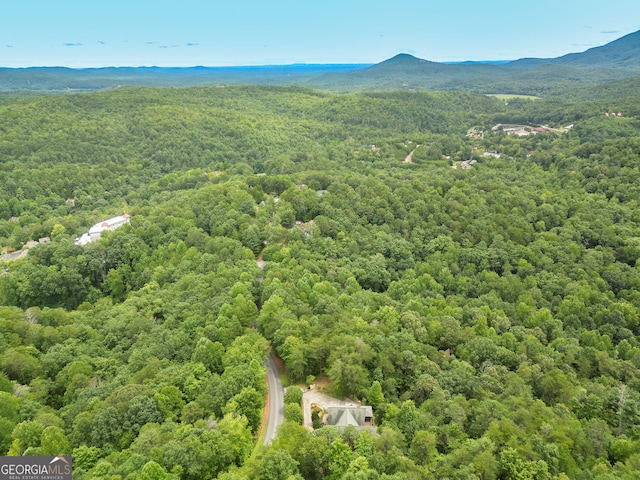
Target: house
[(307, 228), (359, 417), (25, 249), (466, 164)]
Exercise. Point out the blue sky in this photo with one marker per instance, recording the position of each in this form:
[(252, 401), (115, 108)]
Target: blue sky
[(91, 33)]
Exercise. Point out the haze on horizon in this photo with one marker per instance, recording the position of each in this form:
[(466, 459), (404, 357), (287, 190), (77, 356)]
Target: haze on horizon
[(84, 34)]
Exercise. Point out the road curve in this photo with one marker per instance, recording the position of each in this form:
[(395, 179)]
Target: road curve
[(276, 401)]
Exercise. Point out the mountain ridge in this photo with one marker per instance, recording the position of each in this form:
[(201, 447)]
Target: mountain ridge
[(614, 61), (624, 51)]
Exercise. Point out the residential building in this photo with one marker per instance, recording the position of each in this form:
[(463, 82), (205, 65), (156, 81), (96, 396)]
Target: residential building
[(359, 417), (95, 232)]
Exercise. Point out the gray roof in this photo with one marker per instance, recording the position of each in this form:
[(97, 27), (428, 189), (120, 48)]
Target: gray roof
[(344, 416)]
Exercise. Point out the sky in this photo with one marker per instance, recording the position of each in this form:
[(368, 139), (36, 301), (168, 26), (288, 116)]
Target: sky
[(93, 33)]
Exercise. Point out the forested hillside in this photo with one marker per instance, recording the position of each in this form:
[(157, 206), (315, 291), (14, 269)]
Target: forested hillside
[(480, 289)]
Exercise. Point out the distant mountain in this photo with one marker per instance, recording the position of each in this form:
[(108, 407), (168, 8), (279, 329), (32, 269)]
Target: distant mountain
[(415, 66), (61, 79), (406, 71), (479, 62), (615, 61), (404, 60), (621, 53)]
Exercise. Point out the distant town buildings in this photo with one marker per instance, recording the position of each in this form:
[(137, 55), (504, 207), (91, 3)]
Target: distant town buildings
[(526, 130)]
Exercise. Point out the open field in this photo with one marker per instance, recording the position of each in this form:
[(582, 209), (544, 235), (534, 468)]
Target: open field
[(511, 96)]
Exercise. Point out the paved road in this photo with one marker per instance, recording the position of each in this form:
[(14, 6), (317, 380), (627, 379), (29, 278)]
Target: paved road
[(14, 255), (276, 401)]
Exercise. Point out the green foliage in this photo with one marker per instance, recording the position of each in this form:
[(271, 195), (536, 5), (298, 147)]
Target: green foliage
[(26, 435), (107, 427), (248, 402), (169, 401), (375, 397), (277, 465), (490, 316), (85, 457), (253, 239), (9, 406), (5, 384), (20, 365), (6, 427), (293, 394), (293, 413), (316, 420), (513, 467), (153, 471), (54, 442), (142, 410), (423, 447)]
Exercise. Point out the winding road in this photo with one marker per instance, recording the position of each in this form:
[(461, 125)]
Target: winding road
[(276, 401), (276, 392)]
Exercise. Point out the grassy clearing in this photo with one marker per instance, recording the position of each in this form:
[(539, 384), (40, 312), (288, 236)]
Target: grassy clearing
[(511, 96)]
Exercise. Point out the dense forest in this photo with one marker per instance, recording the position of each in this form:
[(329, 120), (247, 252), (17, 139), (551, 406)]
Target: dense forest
[(479, 288)]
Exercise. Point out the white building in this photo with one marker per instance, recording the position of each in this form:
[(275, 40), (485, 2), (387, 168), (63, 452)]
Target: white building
[(95, 232), (83, 240)]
